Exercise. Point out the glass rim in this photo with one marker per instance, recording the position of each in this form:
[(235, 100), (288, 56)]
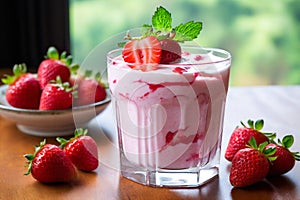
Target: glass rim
[(207, 49)]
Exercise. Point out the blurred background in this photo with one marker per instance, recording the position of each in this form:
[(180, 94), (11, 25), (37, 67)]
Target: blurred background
[(263, 37)]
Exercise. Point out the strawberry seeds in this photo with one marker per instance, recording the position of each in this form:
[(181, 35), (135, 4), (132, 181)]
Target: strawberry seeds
[(256, 155), (54, 86)]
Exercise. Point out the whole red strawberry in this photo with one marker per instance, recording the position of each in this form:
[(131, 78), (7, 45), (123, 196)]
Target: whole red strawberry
[(23, 90), (144, 54), (171, 51), (251, 164), (81, 149), (285, 160), (240, 137), (89, 90), (50, 164), (56, 96), (55, 65)]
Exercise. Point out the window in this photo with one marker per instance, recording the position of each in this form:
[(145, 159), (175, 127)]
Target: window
[(263, 37)]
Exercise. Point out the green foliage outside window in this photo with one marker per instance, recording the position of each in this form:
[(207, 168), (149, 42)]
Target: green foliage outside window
[(262, 36)]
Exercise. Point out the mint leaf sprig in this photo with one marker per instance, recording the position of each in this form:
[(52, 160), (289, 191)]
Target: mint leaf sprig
[(162, 28), (162, 24)]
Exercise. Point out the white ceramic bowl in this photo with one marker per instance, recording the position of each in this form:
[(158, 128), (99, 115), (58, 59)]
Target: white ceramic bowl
[(50, 123)]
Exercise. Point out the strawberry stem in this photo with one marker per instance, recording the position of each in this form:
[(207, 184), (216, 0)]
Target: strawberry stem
[(258, 126), (64, 86), (30, 157), (18, 70), (52, 53), (262, 148), (77, 133), (287, 142)]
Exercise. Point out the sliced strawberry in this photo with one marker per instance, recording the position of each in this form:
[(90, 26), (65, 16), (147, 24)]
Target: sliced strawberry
[(144, 54), (171, 51)]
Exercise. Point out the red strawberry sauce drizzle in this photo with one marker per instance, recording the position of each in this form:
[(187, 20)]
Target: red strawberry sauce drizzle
[(153, 87), (197, 58), (198, 137), (170, 135), (179, 70)]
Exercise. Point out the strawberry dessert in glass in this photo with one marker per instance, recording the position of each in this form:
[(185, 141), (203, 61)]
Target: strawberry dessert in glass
[(169, 100)]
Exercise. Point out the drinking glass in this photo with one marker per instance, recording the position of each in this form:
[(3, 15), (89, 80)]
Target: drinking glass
[(170, 119)]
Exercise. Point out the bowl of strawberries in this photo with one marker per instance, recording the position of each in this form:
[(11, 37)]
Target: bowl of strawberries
[(53, 101)]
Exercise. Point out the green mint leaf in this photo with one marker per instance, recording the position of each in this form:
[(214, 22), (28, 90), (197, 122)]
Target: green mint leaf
[(187, 31), (162, 20)]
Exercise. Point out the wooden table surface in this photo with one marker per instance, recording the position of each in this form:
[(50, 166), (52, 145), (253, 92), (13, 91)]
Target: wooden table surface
[(279, 106)]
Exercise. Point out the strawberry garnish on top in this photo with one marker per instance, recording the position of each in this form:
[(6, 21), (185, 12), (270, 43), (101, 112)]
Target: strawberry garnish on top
[(143, 53), (241, 135), (23, 90), (285, 160), (159, 42), (55, 65), (171, 51)]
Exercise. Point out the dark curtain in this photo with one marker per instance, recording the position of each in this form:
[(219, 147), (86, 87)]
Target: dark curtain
[(29, 27)]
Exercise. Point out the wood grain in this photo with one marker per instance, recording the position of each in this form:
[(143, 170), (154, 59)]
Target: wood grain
[(282, 114)]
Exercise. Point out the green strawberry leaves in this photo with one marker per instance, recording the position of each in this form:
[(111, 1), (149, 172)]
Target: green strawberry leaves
[(262, 148), (30, 157), (287, 142), (52, 53), (63, 85), (258, 125), (18, 70), (77, 133)]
